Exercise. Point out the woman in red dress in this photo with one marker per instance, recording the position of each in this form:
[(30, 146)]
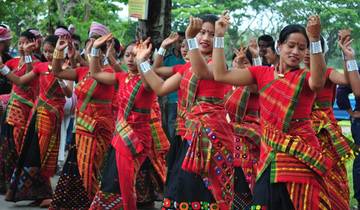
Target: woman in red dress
[(203, 170), (94, 127), (291, 166), (329, 133), (132, 144), (17, 111), (38, 157)]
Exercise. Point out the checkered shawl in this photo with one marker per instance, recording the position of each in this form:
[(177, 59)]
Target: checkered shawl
[(237, 102)]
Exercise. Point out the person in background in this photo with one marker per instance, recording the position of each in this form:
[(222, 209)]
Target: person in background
[(271, 56), (264, 42), (5, 41), (38, 42), (343, 102), (170, 110)]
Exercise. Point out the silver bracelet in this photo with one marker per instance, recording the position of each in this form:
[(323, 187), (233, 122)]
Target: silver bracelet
[(192, 44), (351, 65), (106, 61), (95, 52), (145, 67), (5, 70), (315, 47), (257, 61), (219, 42), (28, 59), (62, 83), (161, 51)]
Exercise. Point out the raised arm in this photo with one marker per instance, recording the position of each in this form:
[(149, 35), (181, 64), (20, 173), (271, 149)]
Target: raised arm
[(199, 65), (351, 69), (164, 71), (59, 58), (156, 83), (24, 79), (221, 74), (95, 66), (317, 60)]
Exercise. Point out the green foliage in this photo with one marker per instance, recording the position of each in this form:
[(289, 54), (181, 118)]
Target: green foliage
[(47, 14)]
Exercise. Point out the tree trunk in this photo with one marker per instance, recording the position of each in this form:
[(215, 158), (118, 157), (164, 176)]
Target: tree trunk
[(158, 24), (60, 7)]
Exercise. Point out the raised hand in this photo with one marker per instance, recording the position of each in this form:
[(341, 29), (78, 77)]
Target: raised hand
[(102, 40), (71, 49), (143, 50), (345, 45), (344, 33), (29, 47), (110, 50), (193, 28), (222, 25), (253, 48), (61, 43), (172, 38), (89, 45), (313, 28)]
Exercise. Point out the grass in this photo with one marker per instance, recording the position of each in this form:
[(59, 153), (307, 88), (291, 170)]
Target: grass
[(349, 164)]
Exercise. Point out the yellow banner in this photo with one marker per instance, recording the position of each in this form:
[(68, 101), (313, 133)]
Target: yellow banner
[(138, 8)]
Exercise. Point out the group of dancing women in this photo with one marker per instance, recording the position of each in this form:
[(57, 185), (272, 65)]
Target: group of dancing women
[(248, 135)]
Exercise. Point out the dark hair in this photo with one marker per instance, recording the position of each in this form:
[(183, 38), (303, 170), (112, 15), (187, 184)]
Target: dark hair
[(51, 39), (27, 34), (290, 29), (76, 37), (247, 54), (272, 47), (117, 45), (209, 18), (266, 38), (181, 33)]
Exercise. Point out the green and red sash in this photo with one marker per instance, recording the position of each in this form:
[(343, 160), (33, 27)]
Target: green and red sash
[(236, 103), (125, 131)]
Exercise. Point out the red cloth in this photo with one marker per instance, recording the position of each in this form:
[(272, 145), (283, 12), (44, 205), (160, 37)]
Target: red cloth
[(327, 94), (180, 121), (46, 79), (101, 92), (264, 74), (30, 91), (139, 122)]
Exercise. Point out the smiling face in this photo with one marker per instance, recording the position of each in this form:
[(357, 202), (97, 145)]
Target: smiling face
[(205, 38), (129, 59), (22, 40), (292, 51)]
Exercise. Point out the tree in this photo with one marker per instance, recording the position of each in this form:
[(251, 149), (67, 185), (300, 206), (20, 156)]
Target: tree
[(334, 15)]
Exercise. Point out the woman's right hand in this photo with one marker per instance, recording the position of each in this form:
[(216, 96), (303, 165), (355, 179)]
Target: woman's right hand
[(172, 38), (143, 50), (61, 43), (102, 40)]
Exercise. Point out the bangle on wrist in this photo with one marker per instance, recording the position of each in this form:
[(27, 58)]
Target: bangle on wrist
[(161, 51), (28, 59), (5, 70), (351, 65), (95, 52), (257, 61), (145, 66), (58, 54), (219, 42), (315, 47), (192, 44)]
